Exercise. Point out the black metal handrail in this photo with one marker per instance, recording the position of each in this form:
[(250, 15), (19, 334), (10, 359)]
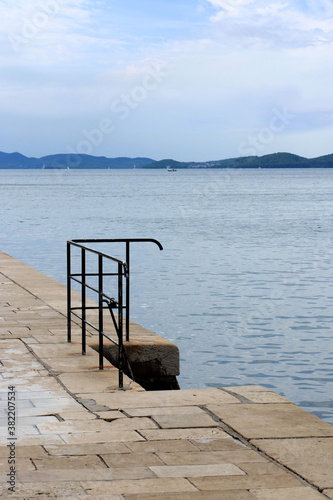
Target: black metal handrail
[(123, 272)]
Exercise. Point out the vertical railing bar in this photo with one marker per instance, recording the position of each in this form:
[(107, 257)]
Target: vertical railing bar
[(120, 324), (127, 289), (100, 311), (69, 294), (83, 299)]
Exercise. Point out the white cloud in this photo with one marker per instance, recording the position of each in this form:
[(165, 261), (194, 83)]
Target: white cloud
[(274, 24), (60, 14), (43, 31), (228, 8), (274, 8)]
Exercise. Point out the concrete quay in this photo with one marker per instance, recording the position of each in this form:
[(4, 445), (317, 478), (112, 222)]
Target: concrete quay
[(77, 436)]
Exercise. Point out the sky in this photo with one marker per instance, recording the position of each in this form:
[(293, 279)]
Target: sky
[(192, 80)]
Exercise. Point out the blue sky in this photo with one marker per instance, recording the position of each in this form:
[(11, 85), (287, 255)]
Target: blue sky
[(188, 79)]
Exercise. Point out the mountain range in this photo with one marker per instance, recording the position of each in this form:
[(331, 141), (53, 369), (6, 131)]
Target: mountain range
[(82, 161), (72, 161), (275, 160)]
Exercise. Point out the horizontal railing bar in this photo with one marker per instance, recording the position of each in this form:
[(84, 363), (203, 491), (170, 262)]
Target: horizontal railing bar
[(93, 274), (95, 328), (95, 290), (119, 240), (86, 321), (89, 307), (92, 288), (106, 256)]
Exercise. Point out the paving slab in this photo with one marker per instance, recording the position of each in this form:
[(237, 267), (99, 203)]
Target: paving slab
[(87, 449), (273, 481), (197, 470), (146, 486), (185, 397), (70, 427), (197, 495), (41, 440), (25, 451), (77, 414), (110, 415), (87, 474), (129, 459), (272, 421), (69, 463), (165, 411), (29, 491), (77, 363), (259, 468), (311, 458), (57, 351), (184, 421), (188, 433), (21, 464), (92, 381), (287, 494), (238, 457), (168, 446), (101, 437), (210, 445), (135, 423)]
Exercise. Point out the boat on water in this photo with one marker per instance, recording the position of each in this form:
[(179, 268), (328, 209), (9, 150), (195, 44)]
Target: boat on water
[(170, 169)]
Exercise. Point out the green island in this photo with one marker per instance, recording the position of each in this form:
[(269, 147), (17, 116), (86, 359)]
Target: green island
[(82, 161)]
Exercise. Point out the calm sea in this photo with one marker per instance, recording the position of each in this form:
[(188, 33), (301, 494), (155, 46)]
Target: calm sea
[(244, 285)]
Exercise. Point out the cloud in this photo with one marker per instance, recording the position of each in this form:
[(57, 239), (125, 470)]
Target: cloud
[(228, 8), (61, 15), (44, 31), (275, 24)]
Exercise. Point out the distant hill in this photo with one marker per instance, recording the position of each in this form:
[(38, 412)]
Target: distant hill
[(64, 161), (276, 160), (16, 160), (168, 163)]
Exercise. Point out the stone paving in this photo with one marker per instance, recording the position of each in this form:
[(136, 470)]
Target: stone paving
[(78, 436)]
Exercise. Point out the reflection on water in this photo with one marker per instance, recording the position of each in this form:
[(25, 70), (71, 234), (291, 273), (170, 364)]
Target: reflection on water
[(244, 284)]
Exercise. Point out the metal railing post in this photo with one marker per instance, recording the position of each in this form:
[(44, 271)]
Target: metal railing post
[(69, 294), (120, 324), (83, 299), (100, 310), (127, 290)]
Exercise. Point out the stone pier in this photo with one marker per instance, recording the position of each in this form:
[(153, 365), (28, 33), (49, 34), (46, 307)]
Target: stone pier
[(77, 436)]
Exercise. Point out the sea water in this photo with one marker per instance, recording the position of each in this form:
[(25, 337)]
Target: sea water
[(244, 285)]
